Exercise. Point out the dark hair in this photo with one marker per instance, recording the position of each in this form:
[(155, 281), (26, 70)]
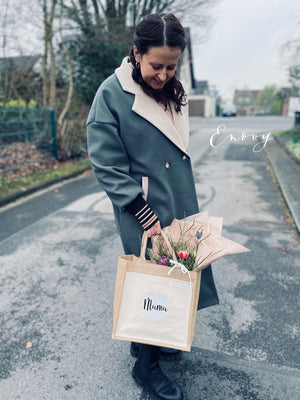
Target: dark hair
[(159, 30)]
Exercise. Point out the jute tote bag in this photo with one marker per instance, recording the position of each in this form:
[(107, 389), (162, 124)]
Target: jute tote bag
[(152, 305)]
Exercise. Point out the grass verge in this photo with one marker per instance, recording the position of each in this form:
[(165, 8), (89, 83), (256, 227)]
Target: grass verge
[(23, 184), (291, 140)]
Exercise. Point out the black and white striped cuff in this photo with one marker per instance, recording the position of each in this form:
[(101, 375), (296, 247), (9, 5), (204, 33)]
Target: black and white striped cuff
[(143, 212)]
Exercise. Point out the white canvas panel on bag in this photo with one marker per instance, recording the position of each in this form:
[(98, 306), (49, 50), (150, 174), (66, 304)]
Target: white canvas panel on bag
[(159, 309)]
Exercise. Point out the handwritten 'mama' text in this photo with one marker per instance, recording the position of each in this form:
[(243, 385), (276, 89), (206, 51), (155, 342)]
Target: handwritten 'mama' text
[(149, 306)]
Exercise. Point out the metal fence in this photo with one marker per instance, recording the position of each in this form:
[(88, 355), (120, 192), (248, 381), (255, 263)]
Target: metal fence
[(27, 141)]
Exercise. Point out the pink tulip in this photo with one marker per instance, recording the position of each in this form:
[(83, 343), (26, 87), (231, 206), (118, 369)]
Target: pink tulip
[(183, 255)]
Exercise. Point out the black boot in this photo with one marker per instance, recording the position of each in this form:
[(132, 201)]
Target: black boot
[(146, 372), (166, 354)]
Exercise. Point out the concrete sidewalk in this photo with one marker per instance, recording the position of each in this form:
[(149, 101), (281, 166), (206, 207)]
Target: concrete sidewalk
[(287, 173)]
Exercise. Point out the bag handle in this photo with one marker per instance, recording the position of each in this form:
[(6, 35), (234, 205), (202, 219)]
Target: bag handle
[(166, 239)]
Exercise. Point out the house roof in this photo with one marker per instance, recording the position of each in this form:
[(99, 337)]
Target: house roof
[(19, 63)]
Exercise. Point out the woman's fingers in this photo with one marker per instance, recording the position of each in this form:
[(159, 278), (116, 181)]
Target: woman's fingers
[(154, 230)]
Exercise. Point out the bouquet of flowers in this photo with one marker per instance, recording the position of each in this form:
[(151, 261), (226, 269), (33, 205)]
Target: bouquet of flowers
[(196, 241)]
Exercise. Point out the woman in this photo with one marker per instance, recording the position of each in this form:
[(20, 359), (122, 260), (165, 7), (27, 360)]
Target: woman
[(137, 142)]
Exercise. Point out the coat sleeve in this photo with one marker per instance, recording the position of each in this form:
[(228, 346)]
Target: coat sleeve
[(108, 156)]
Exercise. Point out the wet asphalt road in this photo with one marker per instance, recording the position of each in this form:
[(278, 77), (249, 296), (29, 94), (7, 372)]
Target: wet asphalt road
[(58, 257)]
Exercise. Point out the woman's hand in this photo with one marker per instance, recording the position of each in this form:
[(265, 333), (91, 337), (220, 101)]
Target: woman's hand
[(154, 230)]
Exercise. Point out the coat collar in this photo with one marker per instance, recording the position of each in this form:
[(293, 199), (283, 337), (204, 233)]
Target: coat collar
[(148, 108)]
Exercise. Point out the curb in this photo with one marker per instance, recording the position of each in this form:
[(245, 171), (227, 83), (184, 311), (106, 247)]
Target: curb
[(287, 173), (16, 196)]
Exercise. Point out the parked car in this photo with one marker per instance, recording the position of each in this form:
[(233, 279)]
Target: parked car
[(229, 111)]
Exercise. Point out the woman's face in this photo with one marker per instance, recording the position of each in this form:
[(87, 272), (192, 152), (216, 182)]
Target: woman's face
[(159, 65)]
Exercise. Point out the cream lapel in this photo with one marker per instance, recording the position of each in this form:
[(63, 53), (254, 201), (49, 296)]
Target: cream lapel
[(181, 122), (149, 109)]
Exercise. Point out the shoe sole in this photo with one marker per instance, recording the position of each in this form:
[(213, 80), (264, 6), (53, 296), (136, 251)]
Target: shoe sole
[(145, 386)]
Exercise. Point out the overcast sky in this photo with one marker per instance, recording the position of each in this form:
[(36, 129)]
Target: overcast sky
[(243, 46)]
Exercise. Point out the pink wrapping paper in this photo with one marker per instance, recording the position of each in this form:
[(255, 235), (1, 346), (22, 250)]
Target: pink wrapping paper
[(212, 244)]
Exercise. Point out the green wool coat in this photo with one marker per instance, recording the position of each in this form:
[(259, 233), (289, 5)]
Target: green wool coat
[(135, 148)]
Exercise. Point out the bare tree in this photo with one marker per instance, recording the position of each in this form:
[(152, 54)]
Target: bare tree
[(290, 55), (4, 23), (67, 57), (294, 79), (117, 15), (49, 78)]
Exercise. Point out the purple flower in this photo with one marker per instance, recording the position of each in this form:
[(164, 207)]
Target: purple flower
[(164, 260)]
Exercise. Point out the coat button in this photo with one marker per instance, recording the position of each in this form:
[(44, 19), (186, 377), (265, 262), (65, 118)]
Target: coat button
[(184, 157), (168, 165)]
